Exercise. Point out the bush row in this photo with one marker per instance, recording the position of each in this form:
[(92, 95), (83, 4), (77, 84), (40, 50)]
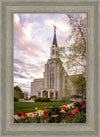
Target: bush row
[(42, 99)]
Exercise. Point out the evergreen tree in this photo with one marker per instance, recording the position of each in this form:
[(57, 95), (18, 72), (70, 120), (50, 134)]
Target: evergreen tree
[(18, 94)]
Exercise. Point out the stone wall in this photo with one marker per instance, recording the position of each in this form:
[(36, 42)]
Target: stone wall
[(36, 86)]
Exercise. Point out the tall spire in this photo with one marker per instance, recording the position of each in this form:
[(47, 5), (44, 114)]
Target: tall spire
[(54, 39)]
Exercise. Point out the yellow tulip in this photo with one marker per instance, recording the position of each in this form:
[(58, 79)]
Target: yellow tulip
[(29, 115), (63, 111), (54, 115), (40, 111)]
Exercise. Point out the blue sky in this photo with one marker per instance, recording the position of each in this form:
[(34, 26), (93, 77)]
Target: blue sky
[(33, 36)]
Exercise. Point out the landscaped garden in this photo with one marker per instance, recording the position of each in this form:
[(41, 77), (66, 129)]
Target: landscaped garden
[(24, 107), (50, 112)]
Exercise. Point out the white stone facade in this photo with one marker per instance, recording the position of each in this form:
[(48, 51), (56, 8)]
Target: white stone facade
[(55, 78), (37, 86), (53, 82)]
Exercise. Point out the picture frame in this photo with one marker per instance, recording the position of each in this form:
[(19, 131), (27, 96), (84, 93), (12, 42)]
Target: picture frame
[(7, 126)]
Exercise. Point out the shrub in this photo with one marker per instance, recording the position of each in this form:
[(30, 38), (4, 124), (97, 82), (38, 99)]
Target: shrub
[(45, 99), (15, 99), (79, 118), (75, 96), (33, 97), (40, 99)]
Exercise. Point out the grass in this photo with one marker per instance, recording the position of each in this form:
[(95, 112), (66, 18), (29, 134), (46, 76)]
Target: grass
[(24, 107)]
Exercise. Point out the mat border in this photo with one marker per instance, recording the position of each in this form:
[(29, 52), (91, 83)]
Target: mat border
[(7, 127)]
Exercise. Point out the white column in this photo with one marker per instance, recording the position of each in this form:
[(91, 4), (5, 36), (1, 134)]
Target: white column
[(48, 94), (37, 94)]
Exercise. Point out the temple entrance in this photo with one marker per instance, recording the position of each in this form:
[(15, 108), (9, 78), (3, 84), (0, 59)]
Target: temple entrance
[(51, 95), (45, 93)]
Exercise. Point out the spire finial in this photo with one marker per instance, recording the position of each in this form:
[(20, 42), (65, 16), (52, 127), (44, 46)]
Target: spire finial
[(54, 39), (54, 28)]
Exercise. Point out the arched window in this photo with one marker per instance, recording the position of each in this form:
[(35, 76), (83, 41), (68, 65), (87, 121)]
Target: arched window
[(45, 93), (52, 64)]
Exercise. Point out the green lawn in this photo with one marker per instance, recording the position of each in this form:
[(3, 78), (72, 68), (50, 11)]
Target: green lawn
[(24, 107)]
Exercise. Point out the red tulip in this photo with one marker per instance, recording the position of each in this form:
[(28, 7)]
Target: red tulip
[(24, 114), (64, 108), (46, 116), (71, 113), (20, 114), (76, 108), (45, 104), (80, 103), (74, 111), (45, 112)]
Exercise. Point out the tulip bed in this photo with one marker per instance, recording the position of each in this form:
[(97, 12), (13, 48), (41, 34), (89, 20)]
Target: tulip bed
[(70, 113)]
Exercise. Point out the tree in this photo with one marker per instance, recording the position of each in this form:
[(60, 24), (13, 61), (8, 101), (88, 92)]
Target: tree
[(25, 96), (17, 88), (67, 93), (78, 47), (79, 82), (18, 94), (75, 54)]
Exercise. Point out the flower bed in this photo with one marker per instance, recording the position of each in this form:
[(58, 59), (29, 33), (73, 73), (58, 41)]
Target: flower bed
[(71, 113)]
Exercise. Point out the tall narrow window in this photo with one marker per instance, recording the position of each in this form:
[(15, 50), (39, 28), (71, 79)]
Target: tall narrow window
[(48, 76), (52, 75), (53, 52)]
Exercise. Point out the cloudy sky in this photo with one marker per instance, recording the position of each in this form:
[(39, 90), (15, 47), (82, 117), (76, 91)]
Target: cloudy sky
[(33, 36)]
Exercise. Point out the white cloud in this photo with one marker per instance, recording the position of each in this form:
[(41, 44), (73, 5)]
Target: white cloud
[(16, 19), (61, 25), (28, 28)]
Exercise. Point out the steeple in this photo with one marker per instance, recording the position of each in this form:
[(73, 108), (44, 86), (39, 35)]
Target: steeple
[(54, 39), (54, 47)]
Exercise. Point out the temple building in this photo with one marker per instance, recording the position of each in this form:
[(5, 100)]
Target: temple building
[(55, 77)]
